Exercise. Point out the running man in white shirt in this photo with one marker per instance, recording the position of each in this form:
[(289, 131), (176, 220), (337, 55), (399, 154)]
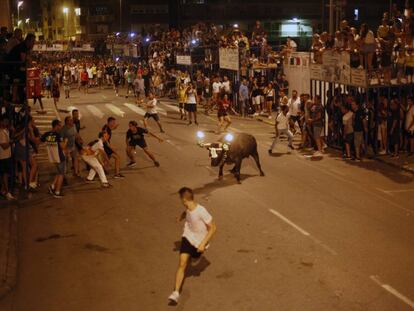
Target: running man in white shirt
[(199, 228), (294, 110), (152, 111), (282, 127)]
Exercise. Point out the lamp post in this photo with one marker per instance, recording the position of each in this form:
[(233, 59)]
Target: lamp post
[(66, 12), (120, 15), (19, 5)]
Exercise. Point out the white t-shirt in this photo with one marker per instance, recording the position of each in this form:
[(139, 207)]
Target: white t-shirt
[(191, 97), (195, 227), (226, 86), (282, 121), (4, 139), (152, 109), (98, 146), (294, 106), (216, 87), (90, 73), (409, 118)]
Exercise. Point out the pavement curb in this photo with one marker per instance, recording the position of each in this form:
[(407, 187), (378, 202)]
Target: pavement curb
[(8, 259)]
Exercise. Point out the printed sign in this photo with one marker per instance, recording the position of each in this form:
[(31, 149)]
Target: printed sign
[(229, 59), (183, 60)]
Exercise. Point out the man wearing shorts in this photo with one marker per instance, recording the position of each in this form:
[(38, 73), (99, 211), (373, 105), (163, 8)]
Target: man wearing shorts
[(109, 149), (152, 111), (199, 228), (135, 137), (55, 149), (316, 121)]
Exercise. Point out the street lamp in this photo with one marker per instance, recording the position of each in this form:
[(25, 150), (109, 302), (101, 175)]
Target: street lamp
[(27, 20), (65, 10), (19, 5)]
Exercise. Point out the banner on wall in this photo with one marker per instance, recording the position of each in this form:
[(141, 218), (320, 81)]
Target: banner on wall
[(359, 77), (229, 59), (183, 60)]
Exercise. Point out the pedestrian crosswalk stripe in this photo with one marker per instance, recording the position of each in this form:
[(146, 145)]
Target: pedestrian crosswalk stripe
[(115, 110), (162, 111), (173, 107), (95, 111), (135, 109)]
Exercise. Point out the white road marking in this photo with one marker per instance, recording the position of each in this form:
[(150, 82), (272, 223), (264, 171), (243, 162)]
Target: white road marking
[(115, 110), (392, 291), (304, 232), (406, 210), (162, 111), (95, 111), (173, 107), (135, 109), (390, 192)]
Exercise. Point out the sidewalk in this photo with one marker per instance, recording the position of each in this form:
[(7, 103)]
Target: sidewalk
[(8, 246)]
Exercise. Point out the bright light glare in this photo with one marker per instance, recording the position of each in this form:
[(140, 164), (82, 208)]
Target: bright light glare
[(229, 137), (236, 25), (117, 59), (19, 4), (147, 39), (295, 19), (132, 34), (117, 34), (65, 10), (200, 134), (27, 20)]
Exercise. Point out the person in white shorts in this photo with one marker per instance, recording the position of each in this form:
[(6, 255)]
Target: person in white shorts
[(199, 228), (282, 127)]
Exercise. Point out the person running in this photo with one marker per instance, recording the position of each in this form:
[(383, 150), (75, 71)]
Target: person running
[(66, 84), (224, 106), (199, 228), (282, 127), (135, 137), (55, 149), (191, 104), (55, 92), (152, 111), (109, 149)]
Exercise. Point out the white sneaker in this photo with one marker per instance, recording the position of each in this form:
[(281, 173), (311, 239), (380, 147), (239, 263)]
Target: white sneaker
[(174, 296), (33, 185), (9, 196)]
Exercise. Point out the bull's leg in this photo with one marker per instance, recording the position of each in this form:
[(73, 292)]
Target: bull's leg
[(221, 172), (237, 167), (256, 158)]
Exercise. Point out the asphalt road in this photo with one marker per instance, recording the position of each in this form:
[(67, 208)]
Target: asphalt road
[(310, 235)]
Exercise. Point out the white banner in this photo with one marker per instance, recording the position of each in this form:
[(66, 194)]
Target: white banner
[(359, 77), (229, 58), (183, 60)]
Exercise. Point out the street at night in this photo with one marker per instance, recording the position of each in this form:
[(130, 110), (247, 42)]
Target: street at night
[(310, 235), (205, 155)]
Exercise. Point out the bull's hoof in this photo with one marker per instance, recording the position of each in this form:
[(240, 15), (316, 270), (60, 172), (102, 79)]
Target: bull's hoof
[(220, 178), (262, 174), (239, 182)]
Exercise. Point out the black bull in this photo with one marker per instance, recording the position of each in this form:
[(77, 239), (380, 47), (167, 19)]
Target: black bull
[(242, 146)]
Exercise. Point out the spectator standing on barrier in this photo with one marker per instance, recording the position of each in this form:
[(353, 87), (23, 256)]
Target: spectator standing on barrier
[(5, 158), (360, 125), (409, 124)]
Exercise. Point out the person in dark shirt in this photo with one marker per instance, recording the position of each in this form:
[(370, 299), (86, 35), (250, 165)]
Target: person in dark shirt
[(109, 149), (135, 137), (394, 121), (76, 120), (360, 125)]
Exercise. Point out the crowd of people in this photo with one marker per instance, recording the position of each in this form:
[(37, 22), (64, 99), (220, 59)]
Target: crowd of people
[(386, 52), (354, 123)]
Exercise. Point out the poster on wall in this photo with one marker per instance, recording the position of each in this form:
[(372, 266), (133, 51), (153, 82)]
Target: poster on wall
[(183, 60), (315, 71), (359, 77), (229, 58), (336, 67)]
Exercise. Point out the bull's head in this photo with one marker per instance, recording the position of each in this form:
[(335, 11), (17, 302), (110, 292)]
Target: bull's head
[(217, 151)]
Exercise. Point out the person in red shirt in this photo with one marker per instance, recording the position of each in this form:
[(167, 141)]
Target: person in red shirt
[(223, 109), (84, 80)]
